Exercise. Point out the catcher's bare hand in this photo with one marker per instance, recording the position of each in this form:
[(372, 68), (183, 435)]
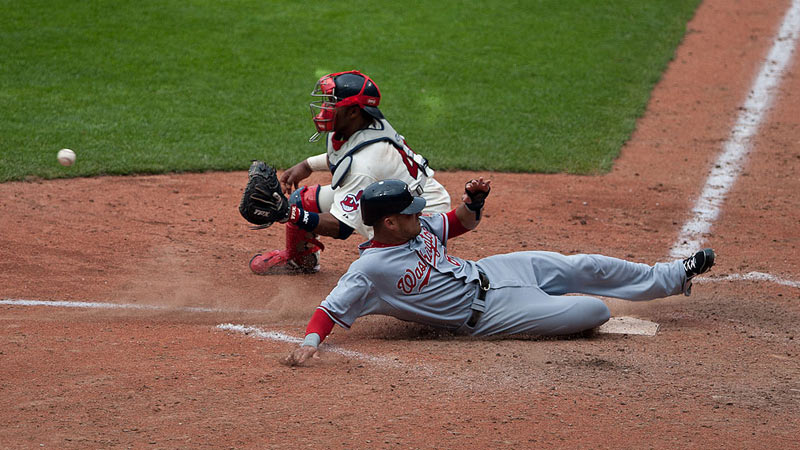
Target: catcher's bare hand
[(291, 178), (476, 190), (300, 355)]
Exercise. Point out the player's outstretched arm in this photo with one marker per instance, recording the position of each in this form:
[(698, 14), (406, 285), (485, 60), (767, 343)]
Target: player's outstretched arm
[(475, 193), (317, 330)]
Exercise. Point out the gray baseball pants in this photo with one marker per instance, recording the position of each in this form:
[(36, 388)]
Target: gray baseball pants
[(527, 293)]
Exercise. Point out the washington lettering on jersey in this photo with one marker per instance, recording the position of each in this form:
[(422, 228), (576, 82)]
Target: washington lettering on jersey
[(429, 253), (420, 274), (410, 281)]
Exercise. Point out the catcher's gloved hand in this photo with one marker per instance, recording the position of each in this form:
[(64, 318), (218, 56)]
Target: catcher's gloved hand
[(263, 202)]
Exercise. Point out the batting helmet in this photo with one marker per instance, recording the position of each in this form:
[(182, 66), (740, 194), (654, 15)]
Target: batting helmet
[(386, 197), (339, 90)]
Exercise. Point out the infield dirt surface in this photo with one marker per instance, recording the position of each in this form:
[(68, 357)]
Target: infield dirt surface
[(722, 372)]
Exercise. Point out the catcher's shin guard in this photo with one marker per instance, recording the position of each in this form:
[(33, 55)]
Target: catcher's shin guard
[(301, 254)]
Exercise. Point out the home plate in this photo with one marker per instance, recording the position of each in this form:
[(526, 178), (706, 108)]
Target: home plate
[(628, 325)]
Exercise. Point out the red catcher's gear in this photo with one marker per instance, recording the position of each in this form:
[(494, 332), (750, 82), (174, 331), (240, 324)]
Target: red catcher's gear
[(338, 90), (302, 247), (301, 254)]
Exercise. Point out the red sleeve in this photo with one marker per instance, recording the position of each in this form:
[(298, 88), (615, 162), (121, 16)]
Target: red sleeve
[(455, 227), (320, 323)]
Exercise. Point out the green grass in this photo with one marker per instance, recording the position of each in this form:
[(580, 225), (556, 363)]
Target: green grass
[(153, 86)]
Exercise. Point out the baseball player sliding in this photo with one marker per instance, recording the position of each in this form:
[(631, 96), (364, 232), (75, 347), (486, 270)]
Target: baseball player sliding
[(406, 272), (362, 147)]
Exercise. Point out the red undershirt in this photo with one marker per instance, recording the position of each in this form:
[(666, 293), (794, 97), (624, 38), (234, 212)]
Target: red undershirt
[(337, 144)]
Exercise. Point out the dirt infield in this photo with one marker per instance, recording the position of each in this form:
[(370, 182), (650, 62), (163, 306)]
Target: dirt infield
[(722, 372)]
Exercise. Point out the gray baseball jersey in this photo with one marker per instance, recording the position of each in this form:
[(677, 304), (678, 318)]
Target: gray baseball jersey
[(418, 281)]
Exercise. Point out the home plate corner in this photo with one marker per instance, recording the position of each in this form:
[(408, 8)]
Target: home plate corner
[(628, 325)]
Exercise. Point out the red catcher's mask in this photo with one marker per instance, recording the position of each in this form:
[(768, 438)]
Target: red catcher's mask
[(339, 90)]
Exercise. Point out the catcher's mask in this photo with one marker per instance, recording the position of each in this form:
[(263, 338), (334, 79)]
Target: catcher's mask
[(387, 197), (338, 90)]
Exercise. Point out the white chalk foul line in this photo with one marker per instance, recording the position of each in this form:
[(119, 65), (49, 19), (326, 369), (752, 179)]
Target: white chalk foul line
[(251, 331), (259, 333), (751, 276), (101, 305), (729, 164), (281, 337)]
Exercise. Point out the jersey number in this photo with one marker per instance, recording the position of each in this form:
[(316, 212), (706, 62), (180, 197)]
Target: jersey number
[(408, 159)]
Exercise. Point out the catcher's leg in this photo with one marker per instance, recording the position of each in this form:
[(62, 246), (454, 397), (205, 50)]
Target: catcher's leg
[(301, 254)]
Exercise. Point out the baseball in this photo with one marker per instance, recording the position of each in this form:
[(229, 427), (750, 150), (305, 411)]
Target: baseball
[(66, 157)]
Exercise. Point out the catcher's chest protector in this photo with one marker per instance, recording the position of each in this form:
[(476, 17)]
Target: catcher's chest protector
[(380, 130)]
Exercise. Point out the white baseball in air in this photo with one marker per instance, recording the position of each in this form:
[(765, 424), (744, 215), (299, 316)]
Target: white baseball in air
[(66, 157)]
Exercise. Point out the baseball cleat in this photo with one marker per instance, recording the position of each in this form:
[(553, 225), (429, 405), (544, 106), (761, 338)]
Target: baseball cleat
[(278, 262), (700, 262)]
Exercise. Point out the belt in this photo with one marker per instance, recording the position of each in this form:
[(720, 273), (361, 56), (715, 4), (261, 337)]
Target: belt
[(478, 304)]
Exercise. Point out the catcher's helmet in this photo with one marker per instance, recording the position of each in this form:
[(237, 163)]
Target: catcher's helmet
[(342, 89), (386, 197)]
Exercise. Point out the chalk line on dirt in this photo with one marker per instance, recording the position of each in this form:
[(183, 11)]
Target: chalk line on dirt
[(730, 162), (751, 276), (251, 331), (281, 337), (101, 305)]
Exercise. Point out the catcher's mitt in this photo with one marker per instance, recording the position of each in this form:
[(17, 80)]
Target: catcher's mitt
[(263, 202)]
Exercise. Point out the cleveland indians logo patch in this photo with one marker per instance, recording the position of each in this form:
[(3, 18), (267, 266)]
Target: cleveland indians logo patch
[(350, 202)]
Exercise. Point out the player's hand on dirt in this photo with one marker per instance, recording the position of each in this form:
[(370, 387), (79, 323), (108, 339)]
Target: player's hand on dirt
[(300, 355), (291, 178), (476, 190)]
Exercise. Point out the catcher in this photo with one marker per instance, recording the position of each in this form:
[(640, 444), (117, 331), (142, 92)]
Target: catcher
[(362, 147)]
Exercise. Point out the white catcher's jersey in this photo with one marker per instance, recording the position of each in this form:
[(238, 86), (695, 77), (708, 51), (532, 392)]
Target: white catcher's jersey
[(379, 153), (415, 281)]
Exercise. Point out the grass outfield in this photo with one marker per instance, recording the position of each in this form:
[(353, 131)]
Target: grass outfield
[(150, 86)]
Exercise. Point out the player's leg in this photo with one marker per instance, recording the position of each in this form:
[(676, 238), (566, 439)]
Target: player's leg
[(302, 250), (529, 310), (607, 276), (559, 274)]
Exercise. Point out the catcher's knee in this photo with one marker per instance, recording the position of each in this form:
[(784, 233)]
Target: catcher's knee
[(307, 197), (315, 200)]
